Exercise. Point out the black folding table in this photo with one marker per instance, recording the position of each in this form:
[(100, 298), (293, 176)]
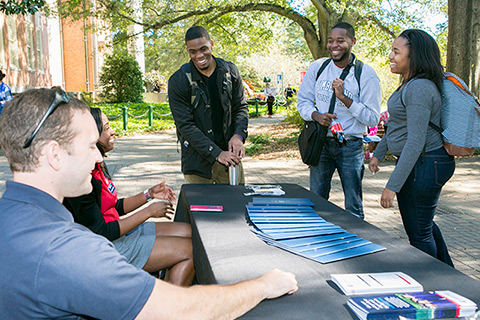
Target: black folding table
[(226, 251)]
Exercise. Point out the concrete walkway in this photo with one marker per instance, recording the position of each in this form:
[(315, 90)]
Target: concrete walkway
[(139, 162)]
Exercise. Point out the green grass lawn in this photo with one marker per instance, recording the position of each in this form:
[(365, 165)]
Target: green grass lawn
[(137, 116)]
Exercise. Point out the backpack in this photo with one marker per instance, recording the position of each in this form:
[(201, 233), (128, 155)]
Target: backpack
[(197, 92), (460, 117)]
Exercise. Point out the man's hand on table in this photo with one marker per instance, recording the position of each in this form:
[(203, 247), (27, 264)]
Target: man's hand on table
[(277, 283)]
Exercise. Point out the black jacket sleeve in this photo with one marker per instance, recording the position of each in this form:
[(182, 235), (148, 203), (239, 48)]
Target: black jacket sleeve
[(119, 207)]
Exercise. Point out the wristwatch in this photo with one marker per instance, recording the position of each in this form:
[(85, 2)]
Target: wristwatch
[(147, 195)]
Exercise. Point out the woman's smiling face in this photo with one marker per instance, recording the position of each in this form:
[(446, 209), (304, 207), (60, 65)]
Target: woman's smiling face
[(106, 137), (400, 57)]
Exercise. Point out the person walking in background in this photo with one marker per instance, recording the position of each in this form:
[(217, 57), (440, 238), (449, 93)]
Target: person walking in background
[(290, 92), (423, 165), (270, 93), (208, 105), (357, 107), (5, 92)]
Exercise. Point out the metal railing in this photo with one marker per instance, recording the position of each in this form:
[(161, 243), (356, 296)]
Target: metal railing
[(125, 115)]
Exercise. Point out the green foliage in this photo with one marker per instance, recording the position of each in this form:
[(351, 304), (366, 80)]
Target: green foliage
[(165, 50), (293, 42), (260, 139), (294, 117), (87, 97), (234, 35), (291, 137), (138, 117), (23, 7), (243, 33), (256, 143), (121, 78), (380, 22)]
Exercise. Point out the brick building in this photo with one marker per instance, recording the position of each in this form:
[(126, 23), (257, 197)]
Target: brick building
[(24, 54), (36, 51), (81, 53)]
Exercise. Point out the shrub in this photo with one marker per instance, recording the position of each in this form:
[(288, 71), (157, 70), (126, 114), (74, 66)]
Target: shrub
[(256, 143), (294, 117), (260, 139), (121, 78), (155, 81)]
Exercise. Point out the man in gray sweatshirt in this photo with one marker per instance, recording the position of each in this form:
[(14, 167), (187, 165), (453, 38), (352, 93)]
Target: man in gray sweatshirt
[(357, 107)]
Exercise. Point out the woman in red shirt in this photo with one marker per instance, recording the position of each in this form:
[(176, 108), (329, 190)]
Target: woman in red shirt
[(152, 246)]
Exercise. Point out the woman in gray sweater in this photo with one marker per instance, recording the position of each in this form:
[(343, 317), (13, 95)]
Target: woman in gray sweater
[(423, 165)]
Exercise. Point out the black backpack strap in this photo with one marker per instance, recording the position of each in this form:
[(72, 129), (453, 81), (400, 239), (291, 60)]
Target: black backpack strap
[(344, 74), (404, 90), (197, 92), (358, 71), (228, 84), (434, 126), (193, 84), (324, 65)]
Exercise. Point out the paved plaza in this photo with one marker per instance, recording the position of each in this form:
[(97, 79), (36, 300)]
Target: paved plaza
[(140, 161)]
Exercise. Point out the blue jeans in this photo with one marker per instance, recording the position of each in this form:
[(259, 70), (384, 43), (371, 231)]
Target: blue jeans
[(348, 160), (418, 200)]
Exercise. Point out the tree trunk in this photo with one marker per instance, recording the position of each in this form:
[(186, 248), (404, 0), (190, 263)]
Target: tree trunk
[(463, 48)]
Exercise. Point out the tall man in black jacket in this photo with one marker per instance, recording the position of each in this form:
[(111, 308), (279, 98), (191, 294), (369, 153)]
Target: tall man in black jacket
[(211, 115)]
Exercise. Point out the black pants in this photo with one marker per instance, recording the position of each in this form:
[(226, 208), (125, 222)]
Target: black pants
[(270, 106)]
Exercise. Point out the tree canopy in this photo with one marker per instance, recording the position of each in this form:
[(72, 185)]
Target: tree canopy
[(235, 19), (245, 30), (21, 7)]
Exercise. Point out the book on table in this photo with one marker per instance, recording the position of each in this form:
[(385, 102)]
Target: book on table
[(370, 283), (417, 305), (206, 208)]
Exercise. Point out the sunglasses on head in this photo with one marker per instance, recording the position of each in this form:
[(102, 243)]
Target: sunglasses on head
[(60, 97)]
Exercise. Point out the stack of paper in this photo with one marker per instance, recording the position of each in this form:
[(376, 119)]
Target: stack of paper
[(370, 283), (264, 190), (292, 225)]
